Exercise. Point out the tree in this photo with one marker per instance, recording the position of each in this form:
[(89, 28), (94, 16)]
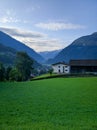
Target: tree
[(24, 64), (51, 71), (2, 72), (8, 69), (14, 75)]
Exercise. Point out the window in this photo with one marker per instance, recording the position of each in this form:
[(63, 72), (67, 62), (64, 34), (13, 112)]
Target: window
[(59, 70), (58, 66), (63, 69)]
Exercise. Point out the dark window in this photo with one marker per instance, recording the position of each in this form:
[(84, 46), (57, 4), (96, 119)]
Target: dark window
[(63, 69)]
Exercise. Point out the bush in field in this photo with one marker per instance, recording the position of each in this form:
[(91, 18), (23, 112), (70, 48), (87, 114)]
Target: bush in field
[(51, 71)]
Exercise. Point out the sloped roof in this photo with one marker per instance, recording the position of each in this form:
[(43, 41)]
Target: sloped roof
[(63, 63), (83, 62)]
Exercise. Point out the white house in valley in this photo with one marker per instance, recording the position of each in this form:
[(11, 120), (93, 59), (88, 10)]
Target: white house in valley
[(61, 67)]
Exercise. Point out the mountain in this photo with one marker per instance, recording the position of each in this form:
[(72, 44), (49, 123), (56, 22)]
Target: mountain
[(8, 55), (8, 41), (49, 54), (82, 48)]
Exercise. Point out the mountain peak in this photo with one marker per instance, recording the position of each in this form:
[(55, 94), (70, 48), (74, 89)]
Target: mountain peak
[(89, 40), (82, 48), (95, 33), (8, 41)]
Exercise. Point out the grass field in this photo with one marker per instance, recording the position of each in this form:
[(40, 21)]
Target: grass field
[(53, 104)]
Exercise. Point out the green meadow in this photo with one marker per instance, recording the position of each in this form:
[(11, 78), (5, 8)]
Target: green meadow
[(52, 104)]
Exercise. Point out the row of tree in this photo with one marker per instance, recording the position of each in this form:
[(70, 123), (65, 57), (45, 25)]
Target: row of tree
[(21, 70)]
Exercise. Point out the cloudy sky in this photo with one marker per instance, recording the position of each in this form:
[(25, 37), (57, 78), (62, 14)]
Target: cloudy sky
[(48, 24)]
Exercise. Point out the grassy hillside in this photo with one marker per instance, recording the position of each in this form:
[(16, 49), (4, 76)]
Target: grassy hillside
[(54, 104)]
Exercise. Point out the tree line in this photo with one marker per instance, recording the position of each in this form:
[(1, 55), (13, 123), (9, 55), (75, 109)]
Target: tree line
[(21, 70)]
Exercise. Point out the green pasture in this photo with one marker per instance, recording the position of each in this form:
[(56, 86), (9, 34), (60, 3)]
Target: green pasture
[(52, 104)]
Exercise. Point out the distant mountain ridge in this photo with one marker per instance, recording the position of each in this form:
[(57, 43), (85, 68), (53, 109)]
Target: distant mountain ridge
[(8, 41), (82, 48), (49, 54), (8, 56)]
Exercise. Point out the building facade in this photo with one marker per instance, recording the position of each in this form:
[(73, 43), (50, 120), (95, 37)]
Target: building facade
[(83, 66), (61, 68)]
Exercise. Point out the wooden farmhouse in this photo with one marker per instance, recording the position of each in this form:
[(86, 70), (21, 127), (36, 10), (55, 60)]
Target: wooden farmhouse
[(83, 66), (76, 66)]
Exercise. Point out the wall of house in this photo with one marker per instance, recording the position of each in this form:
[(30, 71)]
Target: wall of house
[(61, 68), (83, 69)]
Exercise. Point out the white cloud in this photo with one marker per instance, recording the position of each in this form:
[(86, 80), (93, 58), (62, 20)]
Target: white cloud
[(43, 44), (36, 40), (9, 16), (55, 26), (7, 19), (22, 33)]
